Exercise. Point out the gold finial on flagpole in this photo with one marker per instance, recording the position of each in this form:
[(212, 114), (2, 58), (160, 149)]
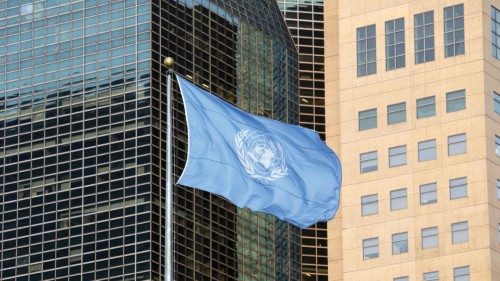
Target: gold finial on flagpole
[(168, 62)]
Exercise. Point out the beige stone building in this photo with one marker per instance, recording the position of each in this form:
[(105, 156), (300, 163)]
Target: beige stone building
[(413, 108)]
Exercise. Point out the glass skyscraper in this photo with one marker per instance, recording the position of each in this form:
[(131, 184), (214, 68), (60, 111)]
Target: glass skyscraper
[(305, 21), (82, 142)]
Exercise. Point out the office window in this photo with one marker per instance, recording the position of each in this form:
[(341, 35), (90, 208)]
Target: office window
[(404, 278), (396, 113), (497, 145), (498, 189), (431, 276), (458, 188), (430, 237), (460, 232), (454, 31), (370, 248), (455, 101), (457, 144), (496, 102), (369, 205), (495, 32), (426, 150), (426, 107), (368, 162), (461, 273), (366, 50), (424, 37), (367, 119), (397, 156), (395, 44), (398, 199), (428, 193), (400, 243)]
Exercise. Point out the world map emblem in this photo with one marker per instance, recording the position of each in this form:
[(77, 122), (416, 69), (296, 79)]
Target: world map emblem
[(261, 155)]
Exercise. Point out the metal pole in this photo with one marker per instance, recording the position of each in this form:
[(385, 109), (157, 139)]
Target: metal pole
[(169, 272)]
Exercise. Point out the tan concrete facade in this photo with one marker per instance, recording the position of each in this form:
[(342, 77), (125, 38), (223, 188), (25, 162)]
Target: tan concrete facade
[(478, 73)]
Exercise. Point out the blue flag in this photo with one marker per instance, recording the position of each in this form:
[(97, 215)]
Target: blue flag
[(256, 162)]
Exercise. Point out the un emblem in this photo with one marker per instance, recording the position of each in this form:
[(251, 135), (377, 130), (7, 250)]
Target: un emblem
[(261, 155)]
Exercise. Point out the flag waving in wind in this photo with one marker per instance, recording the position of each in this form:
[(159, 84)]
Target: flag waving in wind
[(256, 162)]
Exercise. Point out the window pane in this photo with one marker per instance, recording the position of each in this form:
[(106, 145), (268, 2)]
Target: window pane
[(457, 144), (429, 237), (369, 205), (396, 113), (455, 101), (426, 150), (461, 273), (458, 188), (370, 248), (460, 232), (454, 31), (428, 193), (400, 243), (497, 145), (397, 156), (498, 189), (394, 44), (426, 107), (366, 48), (367, 119), (424, 30), (398, 199), (368, 162), (404, 278), (496, 101), (431, 276), (495, 32)]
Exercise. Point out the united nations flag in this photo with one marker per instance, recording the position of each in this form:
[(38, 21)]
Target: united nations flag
[(256, 162)]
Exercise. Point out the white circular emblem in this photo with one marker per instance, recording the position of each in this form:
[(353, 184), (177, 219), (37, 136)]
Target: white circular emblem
[(261, 155)]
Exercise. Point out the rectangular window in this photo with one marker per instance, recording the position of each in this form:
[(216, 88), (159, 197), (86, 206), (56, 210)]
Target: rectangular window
[(458, 188), (454, 43), (370, 248), (398, 199), (366, 50), (397, 156), (428, 193), (367, 119), (455, 101), (369, 205), (497, 145), (368, 162), (496, 102), (495, 32), (400, 243), (461, 273), (457, 144), (395, 44), (498, 189), (430, 237), (424, 37), (460, 232), (426, 150), (431, 276), (426, 107), (396, 113), (404, 278)]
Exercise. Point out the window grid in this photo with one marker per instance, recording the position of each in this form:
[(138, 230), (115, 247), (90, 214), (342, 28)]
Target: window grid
[(424, 37), (395, 44), (426, 150), (368, 162), (461, 273), (454, 42), (460, 232), (428, 193), (495, 32), (430, 237), (367, 119), (369, 205), (458, 188), (397, 156), (398, 199), (370, 248), (396, 113), (457, 144), (426, 107), (455, 101), (366, 50), (400, 243), (431, 276)]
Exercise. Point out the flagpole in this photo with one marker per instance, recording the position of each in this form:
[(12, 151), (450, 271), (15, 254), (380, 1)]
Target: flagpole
[(169, 273)]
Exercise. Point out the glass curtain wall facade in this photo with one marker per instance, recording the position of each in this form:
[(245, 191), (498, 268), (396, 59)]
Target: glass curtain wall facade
[(82, 142), (304, 19)]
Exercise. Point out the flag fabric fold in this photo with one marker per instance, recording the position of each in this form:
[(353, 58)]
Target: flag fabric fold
[(256, 162)]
